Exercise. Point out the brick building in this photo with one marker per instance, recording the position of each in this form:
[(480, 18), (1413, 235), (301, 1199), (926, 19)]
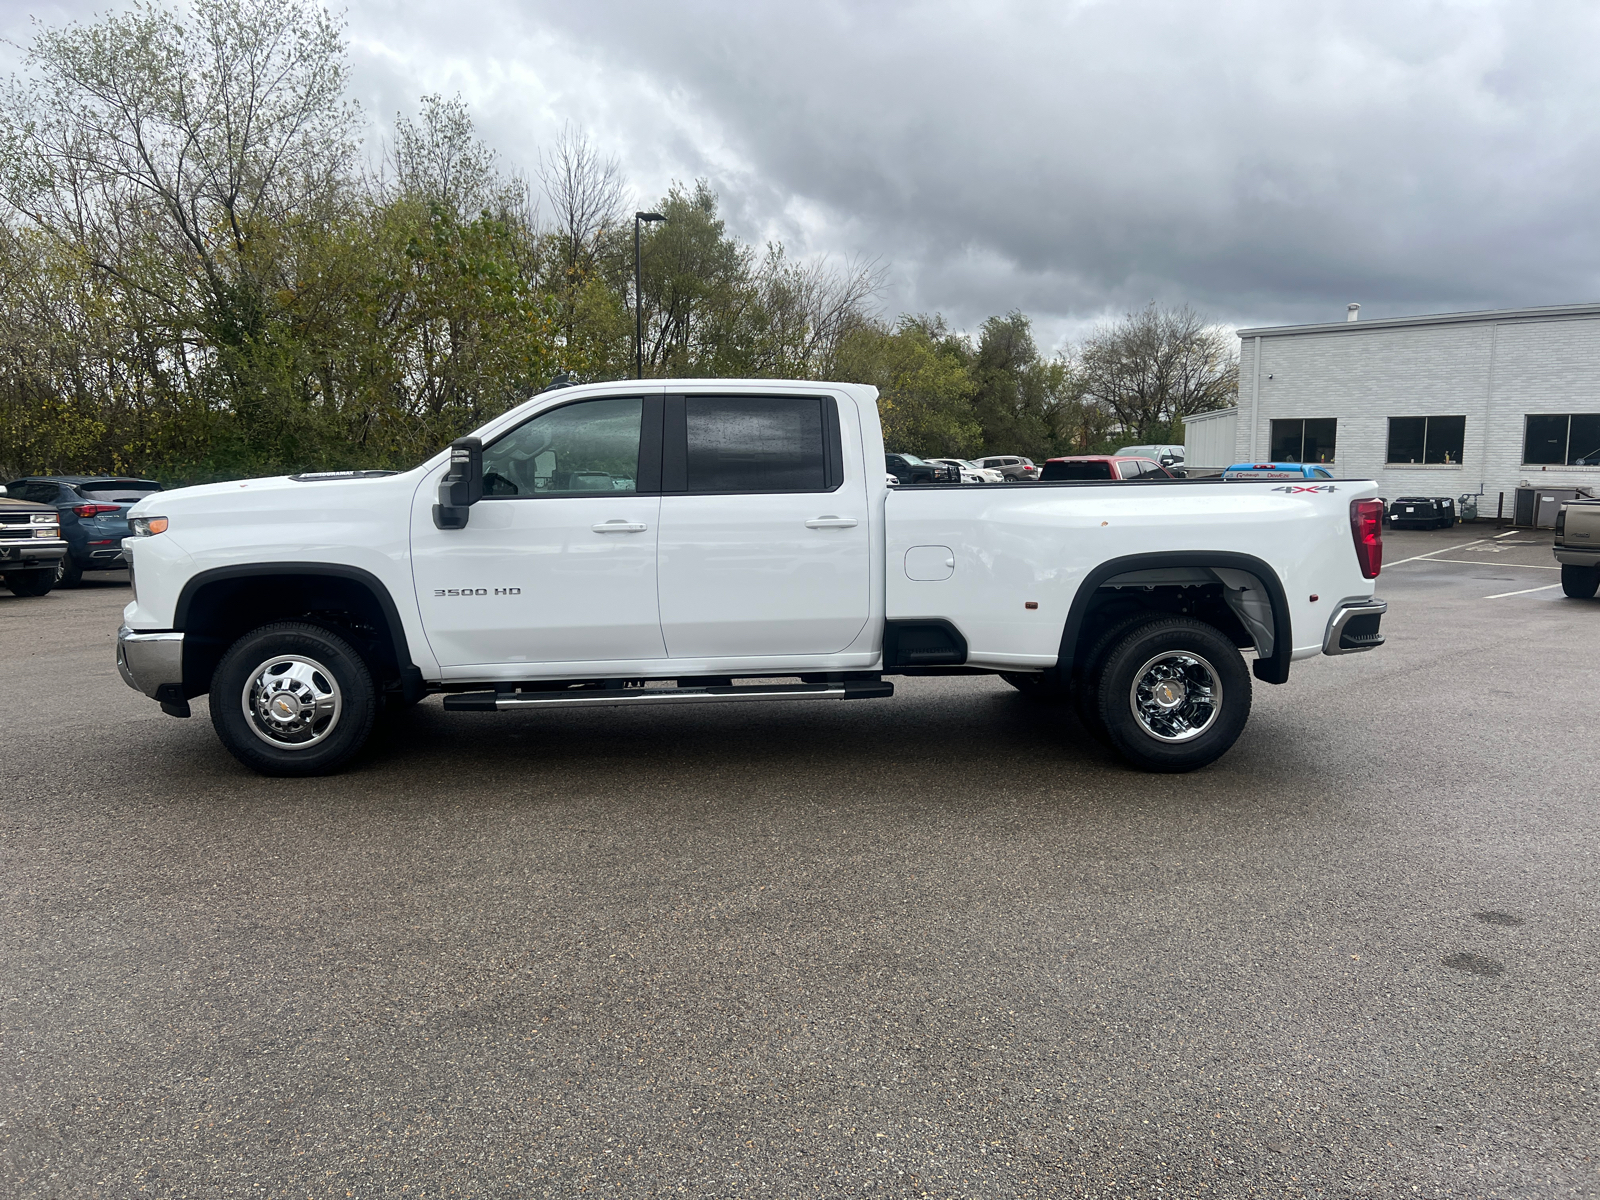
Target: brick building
[(1475, 402)]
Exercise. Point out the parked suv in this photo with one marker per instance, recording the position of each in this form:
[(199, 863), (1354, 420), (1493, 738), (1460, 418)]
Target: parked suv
[(94, 517), (908, 468), (1012, 466), (31, 546)]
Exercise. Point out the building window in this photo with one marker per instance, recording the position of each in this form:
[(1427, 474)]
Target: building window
[(1307, 441), (1426, 440), (1572, 440)]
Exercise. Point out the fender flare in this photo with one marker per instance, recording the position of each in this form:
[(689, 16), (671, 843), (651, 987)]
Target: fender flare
[(1274, 669), (410, 675)]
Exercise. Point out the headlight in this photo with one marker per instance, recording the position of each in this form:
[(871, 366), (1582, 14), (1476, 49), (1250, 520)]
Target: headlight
[(148, 526), (45, 519)]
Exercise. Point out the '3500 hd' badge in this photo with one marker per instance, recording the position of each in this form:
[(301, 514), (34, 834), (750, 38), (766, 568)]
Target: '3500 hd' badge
[(477, 591)]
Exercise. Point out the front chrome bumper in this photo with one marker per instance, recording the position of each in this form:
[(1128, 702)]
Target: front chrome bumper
[(1354, 627), (21, 555), (151, 663)]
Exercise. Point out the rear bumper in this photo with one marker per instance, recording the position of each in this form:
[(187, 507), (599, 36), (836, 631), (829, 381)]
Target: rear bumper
[(1354, 627), (21, 555), (1577, 558), (151, 663)]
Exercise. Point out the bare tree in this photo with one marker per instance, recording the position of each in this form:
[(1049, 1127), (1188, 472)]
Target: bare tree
[(1157, 366), (586, 195), (139, 129), (810, 307), (439, 158)]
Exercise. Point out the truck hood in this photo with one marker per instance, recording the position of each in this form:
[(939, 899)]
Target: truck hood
[(326, 487)]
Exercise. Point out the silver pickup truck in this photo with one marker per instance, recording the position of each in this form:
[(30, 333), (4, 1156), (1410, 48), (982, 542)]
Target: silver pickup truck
[(31, 546), (1578, 547)]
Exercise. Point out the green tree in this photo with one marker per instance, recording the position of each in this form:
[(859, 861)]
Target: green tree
[(1017, 394), (924, 388)]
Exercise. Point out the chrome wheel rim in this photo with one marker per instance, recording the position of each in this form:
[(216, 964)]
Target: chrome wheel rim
[(292, 702), (1176, 696)]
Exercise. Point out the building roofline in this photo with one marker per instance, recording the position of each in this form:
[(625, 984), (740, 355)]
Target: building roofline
[(1547, 312)]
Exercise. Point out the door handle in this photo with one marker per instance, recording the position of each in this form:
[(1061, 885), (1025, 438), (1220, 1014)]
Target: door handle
[(831, 523), (617, 525)]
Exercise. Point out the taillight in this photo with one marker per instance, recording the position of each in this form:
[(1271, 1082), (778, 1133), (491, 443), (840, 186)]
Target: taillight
[(1561, 521), (1366, 527), (94, 510)]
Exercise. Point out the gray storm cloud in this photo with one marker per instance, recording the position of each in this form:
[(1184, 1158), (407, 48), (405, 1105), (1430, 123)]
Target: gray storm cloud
[(1264, 162)]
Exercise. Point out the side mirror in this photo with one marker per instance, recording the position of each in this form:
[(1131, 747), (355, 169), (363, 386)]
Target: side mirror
[(462, 485)]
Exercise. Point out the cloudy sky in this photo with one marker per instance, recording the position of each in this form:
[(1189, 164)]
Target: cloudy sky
[(1265, 162)]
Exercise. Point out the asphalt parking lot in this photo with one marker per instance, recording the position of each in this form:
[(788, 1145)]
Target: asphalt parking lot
[(938, 945)]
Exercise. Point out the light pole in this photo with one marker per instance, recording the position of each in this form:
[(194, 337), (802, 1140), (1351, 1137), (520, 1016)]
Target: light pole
[(638, 294)]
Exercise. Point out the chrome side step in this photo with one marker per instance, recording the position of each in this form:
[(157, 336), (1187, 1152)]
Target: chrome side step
[(592, 697)]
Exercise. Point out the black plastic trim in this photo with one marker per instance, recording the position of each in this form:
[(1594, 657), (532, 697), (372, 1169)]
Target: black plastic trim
[(648, 478), (1268, 670), (897, 654), (410, 676)]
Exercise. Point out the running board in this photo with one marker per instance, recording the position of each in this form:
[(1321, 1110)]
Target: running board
[(851, 689)]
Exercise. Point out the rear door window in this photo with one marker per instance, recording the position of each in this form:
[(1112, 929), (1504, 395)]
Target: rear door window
[(759, 444), (38, 492)]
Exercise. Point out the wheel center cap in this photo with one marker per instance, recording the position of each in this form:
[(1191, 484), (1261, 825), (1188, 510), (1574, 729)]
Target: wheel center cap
[(1169, 693), (284, 707)]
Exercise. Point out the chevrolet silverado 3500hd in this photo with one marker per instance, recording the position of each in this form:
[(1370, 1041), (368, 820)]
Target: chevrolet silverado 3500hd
[(657, 542)]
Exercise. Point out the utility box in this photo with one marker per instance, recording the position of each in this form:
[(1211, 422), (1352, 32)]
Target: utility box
[(1537, 507)]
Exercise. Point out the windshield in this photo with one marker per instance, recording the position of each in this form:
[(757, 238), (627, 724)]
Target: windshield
[(913, 460), (1075, 470)]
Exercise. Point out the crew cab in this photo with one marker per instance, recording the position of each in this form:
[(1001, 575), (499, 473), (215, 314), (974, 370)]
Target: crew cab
[(1577, 547), (692, 541)]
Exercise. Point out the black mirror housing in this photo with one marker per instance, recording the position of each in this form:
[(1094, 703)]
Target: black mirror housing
[(462, 485)]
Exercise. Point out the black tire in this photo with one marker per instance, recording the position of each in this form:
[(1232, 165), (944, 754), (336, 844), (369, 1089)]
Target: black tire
[(31, 583), (1580, 583), (1179, 654), (292, 662), (68, 573), (1086, 673)]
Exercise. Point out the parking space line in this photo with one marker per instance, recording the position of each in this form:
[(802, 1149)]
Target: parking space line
[(1440, 550), (1508, 533), (1492, 562), (1523, 592)]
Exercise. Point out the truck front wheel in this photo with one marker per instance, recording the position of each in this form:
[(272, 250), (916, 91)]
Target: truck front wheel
[(1580, 583), (31, 583), (293, 699), (1173, 695)]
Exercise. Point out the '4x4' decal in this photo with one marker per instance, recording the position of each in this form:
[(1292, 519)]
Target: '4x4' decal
[(1311, 487)]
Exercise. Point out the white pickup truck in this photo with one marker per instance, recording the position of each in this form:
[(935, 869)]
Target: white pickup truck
[(683, 541)]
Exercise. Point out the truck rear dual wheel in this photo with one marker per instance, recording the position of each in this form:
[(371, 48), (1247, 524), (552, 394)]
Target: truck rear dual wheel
[(1172, 694), (293, 699), (1580, 583)]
